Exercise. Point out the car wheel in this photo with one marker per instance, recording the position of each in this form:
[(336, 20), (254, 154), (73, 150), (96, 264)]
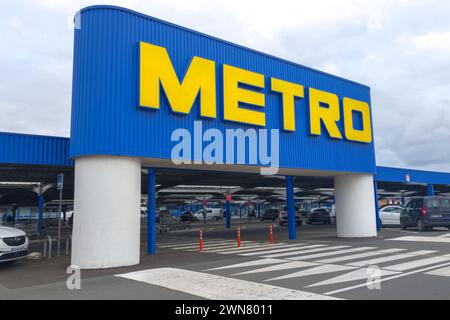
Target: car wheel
[(420, 225), (448, 227), (403, 226)]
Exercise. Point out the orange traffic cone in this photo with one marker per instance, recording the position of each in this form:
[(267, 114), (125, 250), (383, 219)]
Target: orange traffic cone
[(271, 235), (201, 239), (238, 236)]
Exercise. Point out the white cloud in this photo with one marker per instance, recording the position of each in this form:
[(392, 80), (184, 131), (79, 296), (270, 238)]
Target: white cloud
[(399, 48), (439, 41)]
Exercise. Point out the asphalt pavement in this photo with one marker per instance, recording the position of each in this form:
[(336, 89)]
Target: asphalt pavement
[(398, 264)]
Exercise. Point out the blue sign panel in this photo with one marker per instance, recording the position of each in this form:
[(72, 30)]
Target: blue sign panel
[(147, 88), (60, 182)]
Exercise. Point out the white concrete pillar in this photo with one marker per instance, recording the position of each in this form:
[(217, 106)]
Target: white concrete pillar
[(106, 223), (355, 206)]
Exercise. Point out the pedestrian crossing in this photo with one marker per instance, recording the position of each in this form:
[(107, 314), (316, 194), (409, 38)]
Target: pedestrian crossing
[(445, 238), (327, 263)]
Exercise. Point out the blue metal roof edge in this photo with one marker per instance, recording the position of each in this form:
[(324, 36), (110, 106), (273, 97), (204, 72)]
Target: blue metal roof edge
[(391, 174), (31, 149), (33, 135), (112, 7), (387, 174)]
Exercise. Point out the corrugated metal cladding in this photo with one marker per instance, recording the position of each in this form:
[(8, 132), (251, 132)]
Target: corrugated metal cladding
[(416, 176), (34, 150), (105, 114)]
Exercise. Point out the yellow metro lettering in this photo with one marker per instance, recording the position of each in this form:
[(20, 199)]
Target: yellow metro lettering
[(156, 72), (156, 68), (364, 135), (329, 116), (289, 92), (233, 95)]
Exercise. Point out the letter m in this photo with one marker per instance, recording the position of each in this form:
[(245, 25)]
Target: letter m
[(156, 70)]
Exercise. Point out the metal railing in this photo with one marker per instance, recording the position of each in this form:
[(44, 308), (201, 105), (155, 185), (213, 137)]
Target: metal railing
[(48, 245)]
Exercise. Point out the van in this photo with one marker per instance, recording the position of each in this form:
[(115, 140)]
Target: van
[(211, 214), (426, 213)]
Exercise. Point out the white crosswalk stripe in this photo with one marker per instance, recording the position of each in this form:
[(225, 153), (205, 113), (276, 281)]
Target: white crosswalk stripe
[(175, 243), (253, 263), (352, 276), (270, 251), (332, 253), (360, 255), (180, 245), (326, 268), (247, 248), (317, 248), (422, 239), (390, 258), (418, 263), (443, 272), (222, 246), (279, 267), (217, 287), (384, 279), (447, 235)]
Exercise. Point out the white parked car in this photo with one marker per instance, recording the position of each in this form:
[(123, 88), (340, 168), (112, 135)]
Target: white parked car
[(390, 214), (13, 244), (211, 214)]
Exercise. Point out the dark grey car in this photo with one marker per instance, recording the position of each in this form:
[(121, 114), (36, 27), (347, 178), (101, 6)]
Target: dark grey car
[(426, 213)]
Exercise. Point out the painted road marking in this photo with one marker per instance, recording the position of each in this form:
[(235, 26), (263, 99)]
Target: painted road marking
[(261, 246), (385, 279), (190, 243), (443, 272), (252, 263), (178, 242), (352, 276), (326, 268), (332, 253), (417, 263), (360, 255), (390, 258), (216, 287), (223, 246), (270, 251), (279, 267), (318, 247), (422, 239), (444, 235), (184, 247)]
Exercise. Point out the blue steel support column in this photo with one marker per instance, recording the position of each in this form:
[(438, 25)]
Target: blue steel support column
[(430, 190), (151, 212), (290, 207), (228, 214), (40, 213), (377, 212)]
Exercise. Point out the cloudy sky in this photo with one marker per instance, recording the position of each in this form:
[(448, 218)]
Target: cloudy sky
[(400, 48)]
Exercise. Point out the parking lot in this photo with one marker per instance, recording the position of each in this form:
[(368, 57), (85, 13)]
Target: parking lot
[(402, 264)]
